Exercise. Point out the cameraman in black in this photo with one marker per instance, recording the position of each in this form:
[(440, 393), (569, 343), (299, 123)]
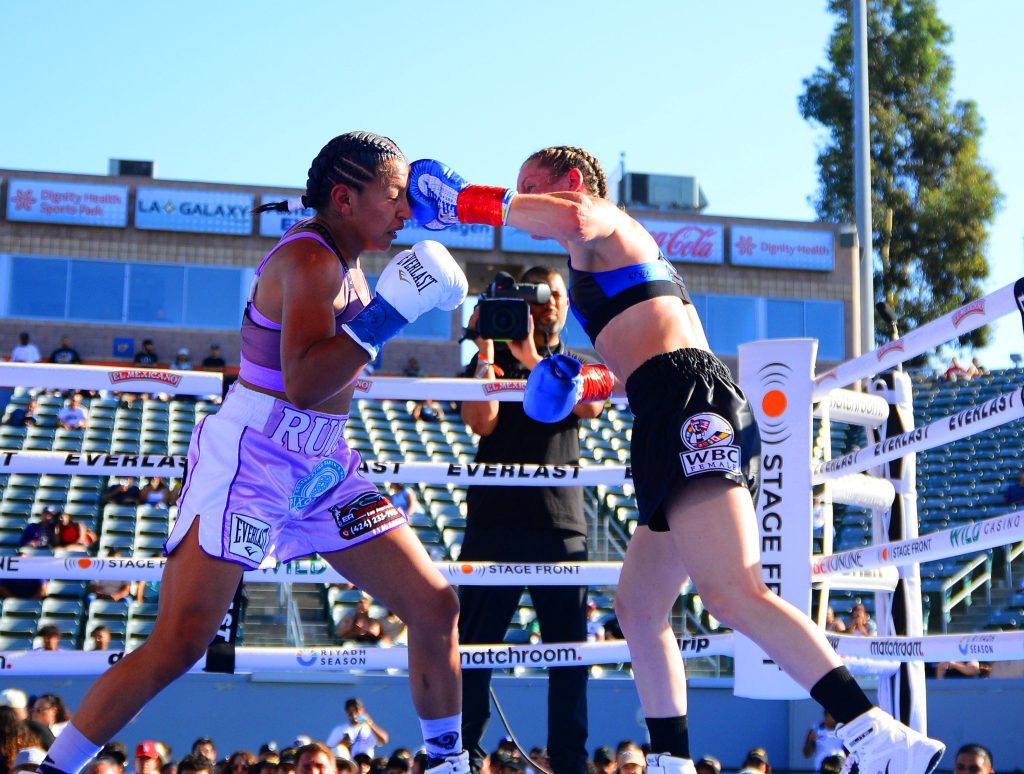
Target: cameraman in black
[(526, 524)]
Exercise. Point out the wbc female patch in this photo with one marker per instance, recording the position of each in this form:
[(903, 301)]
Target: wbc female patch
[(709, 438)]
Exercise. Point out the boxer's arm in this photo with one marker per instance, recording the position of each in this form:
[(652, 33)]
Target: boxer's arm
[(565, 216)]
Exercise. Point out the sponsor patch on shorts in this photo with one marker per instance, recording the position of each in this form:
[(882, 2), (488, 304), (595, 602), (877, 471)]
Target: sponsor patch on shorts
[(709, 438), (324, 476), (367, 514), (249, 538)]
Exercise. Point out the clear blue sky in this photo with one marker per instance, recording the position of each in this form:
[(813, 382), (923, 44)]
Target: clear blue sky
[(248, 92)]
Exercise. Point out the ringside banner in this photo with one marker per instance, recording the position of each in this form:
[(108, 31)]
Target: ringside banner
[(465, 236), (776, 377), (77, 204)]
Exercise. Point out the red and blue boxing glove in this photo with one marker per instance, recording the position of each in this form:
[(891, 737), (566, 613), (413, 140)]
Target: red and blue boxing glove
[(440, 198), (559, 382)]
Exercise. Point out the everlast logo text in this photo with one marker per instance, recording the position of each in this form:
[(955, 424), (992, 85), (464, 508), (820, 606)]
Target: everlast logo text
[(417, 272)]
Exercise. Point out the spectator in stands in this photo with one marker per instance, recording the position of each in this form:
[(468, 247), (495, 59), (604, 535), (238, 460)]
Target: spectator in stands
[(72, 534), (821, 740), (15, 700), (404, 499), (360, 734), (73, 416), (974, 759), (359, 625), (427, 410), (105, 764), (958, 669), (1014, 494), (955, 372), (595, 629), (214, 361), (834, 623), (239, 762), (49, 709), (604, 760), (833, 764), (631, 761), (268, 752), (155, 492), (526, 524), (65, 354), (147, 757), (315, 758), (976, 368), (708, 765), (860, 624), (49, 638), (100, 636), (181, 361), (412, 368), (22, 588), (392, 629), (205, 747), (124, 492), (756, 762), (25, 352), (24, 417), (42, 533), (110, 590), (147, 355), (195, 764)]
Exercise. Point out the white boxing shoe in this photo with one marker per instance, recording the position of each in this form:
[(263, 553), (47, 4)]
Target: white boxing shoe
[(453, 764), (668, 764), (880, 744)]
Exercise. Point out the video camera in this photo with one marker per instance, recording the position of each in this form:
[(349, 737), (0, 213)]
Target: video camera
[(504, 308)]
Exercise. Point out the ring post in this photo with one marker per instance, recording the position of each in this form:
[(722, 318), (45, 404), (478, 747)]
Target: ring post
[(776, 377)]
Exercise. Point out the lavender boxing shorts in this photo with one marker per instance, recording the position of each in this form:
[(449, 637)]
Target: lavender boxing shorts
[(266, 479)]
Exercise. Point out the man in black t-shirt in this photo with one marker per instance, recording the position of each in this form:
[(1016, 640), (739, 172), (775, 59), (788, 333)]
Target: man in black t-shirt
[(526, 524)]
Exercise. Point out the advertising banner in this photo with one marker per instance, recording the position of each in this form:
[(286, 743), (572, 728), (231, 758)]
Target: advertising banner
[(782, 248), (77, 204), (467, 237), (206, 212), (686, 241), (515, 241), (775, 374)]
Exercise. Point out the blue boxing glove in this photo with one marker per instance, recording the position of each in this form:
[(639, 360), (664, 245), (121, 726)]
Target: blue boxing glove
[(559, 382), (553, 388), (440, 198)]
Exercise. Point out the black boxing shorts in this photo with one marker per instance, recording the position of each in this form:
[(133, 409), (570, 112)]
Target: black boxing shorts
[(692, 421)]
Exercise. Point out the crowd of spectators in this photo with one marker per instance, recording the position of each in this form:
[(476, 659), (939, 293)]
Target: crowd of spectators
[(65, 354), (28, 726)]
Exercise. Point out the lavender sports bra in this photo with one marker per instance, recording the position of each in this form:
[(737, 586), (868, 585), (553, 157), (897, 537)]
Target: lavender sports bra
[(261, 337)]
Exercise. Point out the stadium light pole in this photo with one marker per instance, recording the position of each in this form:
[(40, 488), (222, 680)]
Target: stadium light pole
[(862, 173)]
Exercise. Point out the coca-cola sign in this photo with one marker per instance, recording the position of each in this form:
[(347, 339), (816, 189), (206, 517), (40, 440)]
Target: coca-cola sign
[(687, 241)]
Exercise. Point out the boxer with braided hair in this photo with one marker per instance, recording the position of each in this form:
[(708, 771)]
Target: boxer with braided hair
[(695, 454), (270, 475)]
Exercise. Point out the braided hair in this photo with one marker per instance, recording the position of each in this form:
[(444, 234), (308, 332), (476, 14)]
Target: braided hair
[(561, 158), (353, 159)]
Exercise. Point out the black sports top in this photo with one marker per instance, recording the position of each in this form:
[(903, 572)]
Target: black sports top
[(596, 297)]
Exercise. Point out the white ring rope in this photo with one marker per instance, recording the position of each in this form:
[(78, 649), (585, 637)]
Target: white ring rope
[(992, 413), (377, 471), (864, 655), (967, 538), (855, 408), (120, 378), (930, 335)]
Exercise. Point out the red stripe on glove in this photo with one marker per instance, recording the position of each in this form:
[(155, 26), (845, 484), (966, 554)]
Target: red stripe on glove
[(481, 204), (598, 382)]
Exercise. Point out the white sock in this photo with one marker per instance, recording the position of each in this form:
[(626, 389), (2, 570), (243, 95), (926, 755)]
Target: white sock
[(442, 736), (70, 752)]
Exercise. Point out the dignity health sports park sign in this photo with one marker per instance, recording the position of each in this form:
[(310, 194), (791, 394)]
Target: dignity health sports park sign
[(782, 248), (207, 212), (76, 204)]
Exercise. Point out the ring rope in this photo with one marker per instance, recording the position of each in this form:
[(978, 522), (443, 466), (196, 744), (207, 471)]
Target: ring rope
[(930, 335), (120, 378)]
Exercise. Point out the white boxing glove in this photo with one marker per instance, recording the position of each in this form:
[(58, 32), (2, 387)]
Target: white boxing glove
[(415, 281)]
